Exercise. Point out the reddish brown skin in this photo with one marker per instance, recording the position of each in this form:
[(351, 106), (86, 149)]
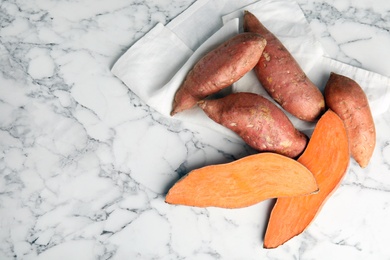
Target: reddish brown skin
[(282, 77), (259, 122), (219, 69), (348, 100)]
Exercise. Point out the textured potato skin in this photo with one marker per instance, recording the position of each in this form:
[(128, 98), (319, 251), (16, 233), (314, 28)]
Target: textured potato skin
[(218, 69), (282, 77), (348, 100), (258, 121)]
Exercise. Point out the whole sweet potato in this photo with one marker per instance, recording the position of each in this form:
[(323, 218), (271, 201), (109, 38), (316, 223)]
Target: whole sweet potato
[(282, 77), (258, 121), (347, 99), (218, 69)]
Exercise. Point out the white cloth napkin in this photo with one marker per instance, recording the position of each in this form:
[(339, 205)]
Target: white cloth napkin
[(155, 66)]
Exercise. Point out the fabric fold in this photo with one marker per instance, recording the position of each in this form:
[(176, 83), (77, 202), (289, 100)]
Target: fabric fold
[(152, 61)]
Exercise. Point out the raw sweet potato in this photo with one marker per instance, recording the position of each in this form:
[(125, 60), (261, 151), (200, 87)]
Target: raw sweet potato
[(282, 77), (327, 157), (218, 69), (258, 121), (243, 182), (345, 97)]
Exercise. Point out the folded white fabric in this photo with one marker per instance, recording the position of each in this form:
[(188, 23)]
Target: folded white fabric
[(155, 66)]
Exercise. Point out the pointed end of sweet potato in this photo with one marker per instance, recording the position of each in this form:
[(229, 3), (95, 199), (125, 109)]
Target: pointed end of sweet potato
[(271, 244), (201, 104), (246, 12), (173, 112)]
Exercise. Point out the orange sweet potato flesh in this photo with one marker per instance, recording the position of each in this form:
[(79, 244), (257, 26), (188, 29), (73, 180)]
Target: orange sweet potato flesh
[(327, 157), (243, 182), (282, 77), (219, 69), (258, 121), (345, 97)]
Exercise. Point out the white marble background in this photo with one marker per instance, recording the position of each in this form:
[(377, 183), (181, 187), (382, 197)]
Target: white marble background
[(84, 164)]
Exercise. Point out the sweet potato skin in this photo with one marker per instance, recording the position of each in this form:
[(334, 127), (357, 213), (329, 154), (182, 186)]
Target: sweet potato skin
[(348, 100), (219, 69), (258, 121), (282, 77)]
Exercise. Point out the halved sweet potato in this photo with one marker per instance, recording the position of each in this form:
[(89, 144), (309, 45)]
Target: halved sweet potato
[(243, 182), (327, 157)]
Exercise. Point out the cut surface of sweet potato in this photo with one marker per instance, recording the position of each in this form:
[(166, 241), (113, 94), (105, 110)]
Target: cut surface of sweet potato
[(243, 182), (327, 157)]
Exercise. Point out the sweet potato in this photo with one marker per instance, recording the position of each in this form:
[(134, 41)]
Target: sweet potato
[(243, 182), (258, 121), (282, 77), (345, 96), (327, 157), (218, 69)]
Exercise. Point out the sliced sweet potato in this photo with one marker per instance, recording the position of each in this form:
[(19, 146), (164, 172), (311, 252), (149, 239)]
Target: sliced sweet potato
[(282, 77), (258, 121), (347, 99), (327, 157), (243, 182), (219, 69)]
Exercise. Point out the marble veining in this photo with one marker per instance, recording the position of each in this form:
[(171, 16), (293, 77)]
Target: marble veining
[(367, 26), (85, 164)]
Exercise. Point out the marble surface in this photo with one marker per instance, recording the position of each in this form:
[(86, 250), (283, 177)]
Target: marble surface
[(85, 164)]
